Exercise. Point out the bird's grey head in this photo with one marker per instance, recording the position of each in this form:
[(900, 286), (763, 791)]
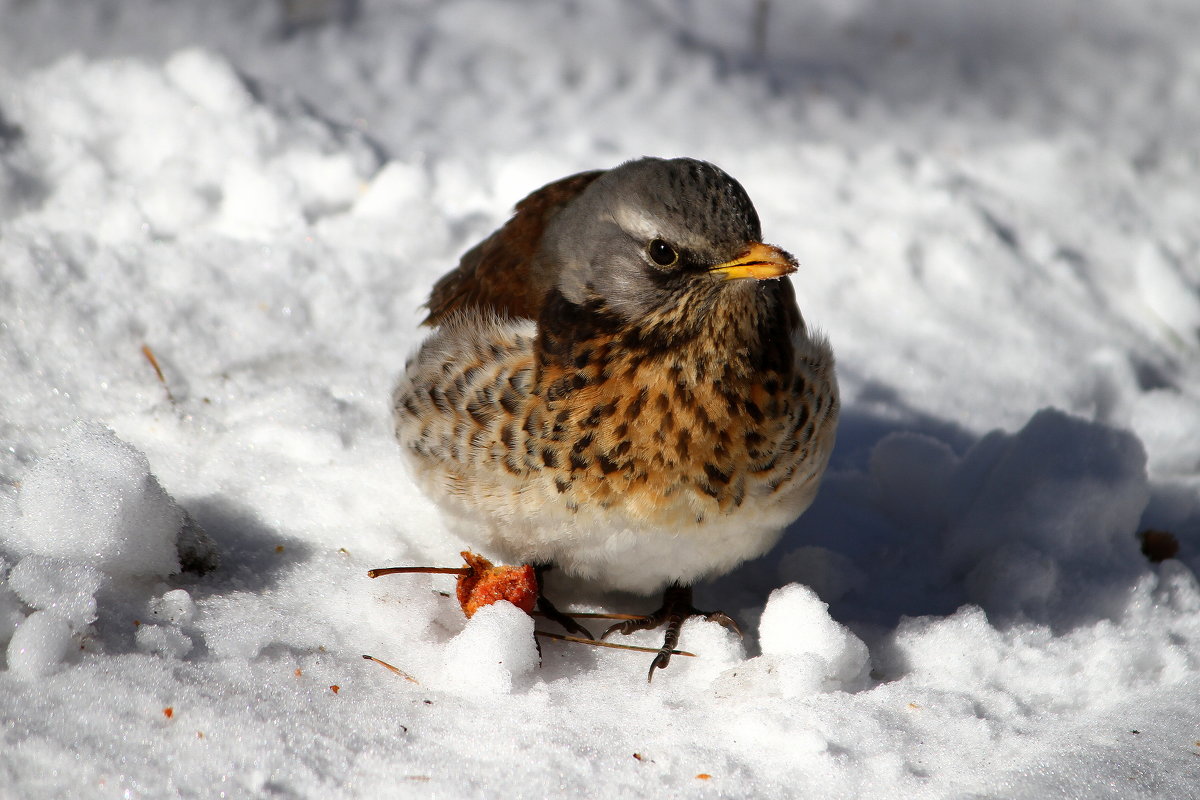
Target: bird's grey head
[(649, 233)]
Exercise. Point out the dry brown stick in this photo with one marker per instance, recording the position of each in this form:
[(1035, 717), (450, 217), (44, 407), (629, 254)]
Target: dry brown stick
[(593, 615), (376, 573), (396, 670), (149, 354), (615, 646)]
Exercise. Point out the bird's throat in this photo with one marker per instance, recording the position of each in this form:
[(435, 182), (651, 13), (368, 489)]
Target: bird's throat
[(738, 331)]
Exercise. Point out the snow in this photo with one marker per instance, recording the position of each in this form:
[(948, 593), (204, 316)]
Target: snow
[(94, 500), (493, 654), (995, 211), (812, 651), (67, 590), (38, 645)]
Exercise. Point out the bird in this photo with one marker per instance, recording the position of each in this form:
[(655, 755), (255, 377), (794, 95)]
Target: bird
[(620, 385)]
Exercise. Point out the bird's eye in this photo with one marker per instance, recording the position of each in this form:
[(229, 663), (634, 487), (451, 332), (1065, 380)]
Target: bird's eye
[(662, 253)]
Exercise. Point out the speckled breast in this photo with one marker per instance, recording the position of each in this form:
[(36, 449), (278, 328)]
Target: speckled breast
[(657, 438)]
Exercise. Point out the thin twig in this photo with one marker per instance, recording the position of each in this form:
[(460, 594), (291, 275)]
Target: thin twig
[(376, 573), (592, 615), (396, 670), (596, 643), (149, 354)]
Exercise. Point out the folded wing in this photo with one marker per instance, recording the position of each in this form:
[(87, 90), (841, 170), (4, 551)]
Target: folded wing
[(496, 275)]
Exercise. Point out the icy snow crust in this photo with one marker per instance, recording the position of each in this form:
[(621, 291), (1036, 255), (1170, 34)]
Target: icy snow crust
[(996, 211)]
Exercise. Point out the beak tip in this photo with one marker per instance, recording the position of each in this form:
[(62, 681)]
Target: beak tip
[(760, 262)]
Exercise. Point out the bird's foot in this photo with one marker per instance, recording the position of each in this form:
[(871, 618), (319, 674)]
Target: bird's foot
[(676, 608), (553, 614)]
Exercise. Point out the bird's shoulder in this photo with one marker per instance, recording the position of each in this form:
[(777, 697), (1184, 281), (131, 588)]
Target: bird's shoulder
[(496, 276)]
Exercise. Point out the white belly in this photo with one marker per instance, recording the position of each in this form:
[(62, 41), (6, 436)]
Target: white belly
[(610, 549)]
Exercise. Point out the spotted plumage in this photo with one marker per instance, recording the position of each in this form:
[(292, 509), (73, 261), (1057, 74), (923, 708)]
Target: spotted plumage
[(620, 383)]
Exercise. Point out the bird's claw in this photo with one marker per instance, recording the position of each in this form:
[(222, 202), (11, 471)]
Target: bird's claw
[(676, 608), (553, 614), (722, 619)]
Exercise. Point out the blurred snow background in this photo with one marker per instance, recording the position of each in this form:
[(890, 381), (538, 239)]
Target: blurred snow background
[(996, 213)]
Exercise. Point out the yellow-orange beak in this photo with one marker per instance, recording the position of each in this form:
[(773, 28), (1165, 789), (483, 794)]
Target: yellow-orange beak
[(760, 262)]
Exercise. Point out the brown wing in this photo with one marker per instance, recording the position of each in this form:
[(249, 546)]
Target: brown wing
[(495, 274)]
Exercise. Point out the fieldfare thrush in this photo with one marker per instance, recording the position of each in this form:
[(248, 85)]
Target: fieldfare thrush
[(620, 384)]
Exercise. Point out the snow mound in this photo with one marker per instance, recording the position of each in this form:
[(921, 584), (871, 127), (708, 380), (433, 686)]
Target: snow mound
[(39, 645), (175, 606), (1037, 525), (494, 654), (1044, 521), (65, 588), (93, 501), (805, 649), (11, 614), (163, 640)]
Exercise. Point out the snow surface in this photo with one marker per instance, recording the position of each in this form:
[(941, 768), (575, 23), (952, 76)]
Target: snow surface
[(996, 211)]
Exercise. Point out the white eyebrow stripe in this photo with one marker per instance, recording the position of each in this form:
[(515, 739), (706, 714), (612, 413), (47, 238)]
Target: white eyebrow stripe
[(634, 221)]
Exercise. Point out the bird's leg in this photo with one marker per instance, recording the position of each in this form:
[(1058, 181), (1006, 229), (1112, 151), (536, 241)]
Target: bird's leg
[(550, 612), (676, 608)]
